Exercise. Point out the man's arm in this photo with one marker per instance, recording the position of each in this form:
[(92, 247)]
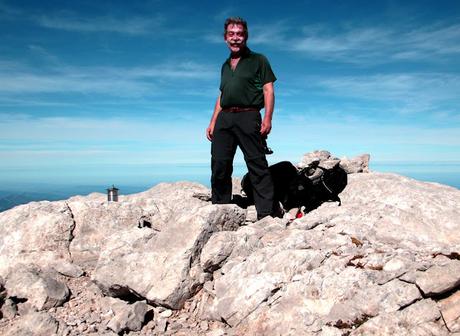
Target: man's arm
[(212, 123), (269, 102)]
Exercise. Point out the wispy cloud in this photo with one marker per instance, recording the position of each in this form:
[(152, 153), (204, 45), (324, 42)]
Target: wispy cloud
[(405, 93), (119, 81), (363, 45), (111, 139), (394, 86), (130, 25), (294, 135)]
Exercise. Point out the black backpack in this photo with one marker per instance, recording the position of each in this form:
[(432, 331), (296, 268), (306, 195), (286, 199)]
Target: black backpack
[(308, 187)]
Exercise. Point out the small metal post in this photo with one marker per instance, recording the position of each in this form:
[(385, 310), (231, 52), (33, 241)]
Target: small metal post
[(112, 194)]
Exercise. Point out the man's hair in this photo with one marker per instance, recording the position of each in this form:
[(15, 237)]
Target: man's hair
[(238, 21)]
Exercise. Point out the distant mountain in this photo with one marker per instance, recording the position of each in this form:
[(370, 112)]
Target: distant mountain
[(11, 198)]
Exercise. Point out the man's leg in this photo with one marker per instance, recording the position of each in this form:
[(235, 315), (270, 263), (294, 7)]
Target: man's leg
[(247, 130), (223, 150)]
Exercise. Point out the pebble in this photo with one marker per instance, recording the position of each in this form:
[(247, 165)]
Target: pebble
[(204, 325), (166, 313), (82, 327)]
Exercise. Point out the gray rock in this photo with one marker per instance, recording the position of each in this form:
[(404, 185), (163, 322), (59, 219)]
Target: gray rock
[(40, 289), (439, 279), (421, 318), (372, 301), (66, 268), (314, 157), (96, 219), (353, 269), (9, 309), (25, 308), (450, 309), (128, 317), (217, 250), (359, 164), (38, 233), (357, 251), (159, 267), (36, 323)]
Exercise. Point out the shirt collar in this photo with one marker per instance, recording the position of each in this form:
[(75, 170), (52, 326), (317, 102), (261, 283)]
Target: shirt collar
[(245, 53)]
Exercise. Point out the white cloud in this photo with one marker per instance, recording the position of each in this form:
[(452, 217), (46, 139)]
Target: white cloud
[(364, 45), (293, 136), (131, 25), (406, 92), (117, 81)]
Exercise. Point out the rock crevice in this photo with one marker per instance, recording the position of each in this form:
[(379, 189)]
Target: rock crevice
[(165, 262)]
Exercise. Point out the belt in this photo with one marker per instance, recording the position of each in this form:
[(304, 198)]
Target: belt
[(235, 109)]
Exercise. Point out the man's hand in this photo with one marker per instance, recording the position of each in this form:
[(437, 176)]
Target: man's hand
[(212, 123), (269, 104), (266, 127), (209, 132)]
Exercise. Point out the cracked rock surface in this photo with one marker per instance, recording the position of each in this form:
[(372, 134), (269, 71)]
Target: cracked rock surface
[(163, 262)]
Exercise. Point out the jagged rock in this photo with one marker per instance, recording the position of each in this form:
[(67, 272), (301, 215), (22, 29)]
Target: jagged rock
[(439, 279), (97, 219), (421, 318), (372, 301), (66, 268), (356, 279), (353, 269), (158, 267), (127, 317), (359, 164), (246, 285), (217, 250), (36, 323), (9, 309), (40, 289), (408, 217), (450, 309), (316, 156), (38, 233)]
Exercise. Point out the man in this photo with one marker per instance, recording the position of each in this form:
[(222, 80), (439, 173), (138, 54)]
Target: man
[(246, 87)]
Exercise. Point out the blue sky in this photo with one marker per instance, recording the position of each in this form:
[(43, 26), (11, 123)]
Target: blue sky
[(86, 86)]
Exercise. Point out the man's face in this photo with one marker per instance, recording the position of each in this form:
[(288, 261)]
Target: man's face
[(235, 38)]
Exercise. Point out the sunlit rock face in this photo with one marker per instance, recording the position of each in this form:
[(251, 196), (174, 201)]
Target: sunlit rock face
[(385, 262)]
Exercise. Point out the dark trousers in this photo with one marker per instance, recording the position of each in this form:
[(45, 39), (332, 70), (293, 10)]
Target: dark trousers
[(240, 129)]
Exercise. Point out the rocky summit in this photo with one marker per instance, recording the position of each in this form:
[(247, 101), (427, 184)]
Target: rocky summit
[(168, 262)]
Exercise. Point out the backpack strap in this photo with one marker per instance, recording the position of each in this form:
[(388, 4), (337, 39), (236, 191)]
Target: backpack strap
[(335, 197)]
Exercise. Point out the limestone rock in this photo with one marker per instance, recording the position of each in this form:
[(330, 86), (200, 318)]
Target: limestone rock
[(9, 309), (67, 268), (421, 318), (439, 279), (36, 323), (127, 317), (363, 268), (40, 289), (359, 164), (38, 233), (97, 219), (316, 156), (408, 217), (450, 309), (217, 250), (158, 267)]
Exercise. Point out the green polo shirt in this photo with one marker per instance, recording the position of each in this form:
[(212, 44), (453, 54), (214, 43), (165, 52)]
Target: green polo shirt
[(243, 87)]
